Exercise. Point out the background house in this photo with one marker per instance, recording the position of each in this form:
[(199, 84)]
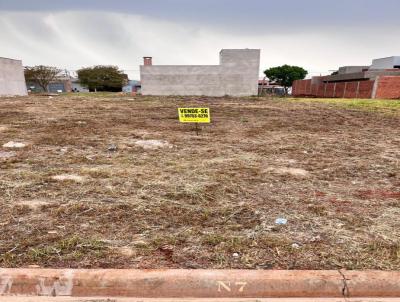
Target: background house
[(61, 84), (266, 87), (133, 86), (379, 80), (77, 87)]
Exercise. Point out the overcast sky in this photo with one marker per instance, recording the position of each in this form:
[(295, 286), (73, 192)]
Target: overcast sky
[(315, 34)]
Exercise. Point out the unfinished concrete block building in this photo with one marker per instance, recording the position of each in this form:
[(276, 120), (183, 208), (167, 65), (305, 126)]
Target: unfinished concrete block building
[(236, 75), (12, 79)]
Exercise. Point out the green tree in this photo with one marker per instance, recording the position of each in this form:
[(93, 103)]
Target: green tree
[(285, 75), (42, 75), (102, 78)]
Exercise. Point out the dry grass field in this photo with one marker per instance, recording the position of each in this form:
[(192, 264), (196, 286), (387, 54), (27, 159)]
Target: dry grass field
[(116, 181)]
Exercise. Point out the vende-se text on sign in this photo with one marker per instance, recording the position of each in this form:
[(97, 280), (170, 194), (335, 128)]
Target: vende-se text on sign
[(194, 115)]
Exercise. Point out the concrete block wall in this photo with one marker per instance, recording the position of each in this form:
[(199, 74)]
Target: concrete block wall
[(12, 79), (236, 75)]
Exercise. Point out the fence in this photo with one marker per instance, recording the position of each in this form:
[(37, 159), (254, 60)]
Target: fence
[(359, 89)]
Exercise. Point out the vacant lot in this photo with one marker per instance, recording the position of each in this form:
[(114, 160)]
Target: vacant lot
[(112, 181)]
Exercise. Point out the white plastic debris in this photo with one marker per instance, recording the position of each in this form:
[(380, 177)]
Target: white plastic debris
[(295, 246), (280, 221), (235, 255), (12, 144), (112, 148)]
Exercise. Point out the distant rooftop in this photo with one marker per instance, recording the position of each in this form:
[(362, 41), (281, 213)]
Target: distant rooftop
[(9, 59), (386, 63)]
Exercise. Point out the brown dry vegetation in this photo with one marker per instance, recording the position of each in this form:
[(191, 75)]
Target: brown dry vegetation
[(332, 172)]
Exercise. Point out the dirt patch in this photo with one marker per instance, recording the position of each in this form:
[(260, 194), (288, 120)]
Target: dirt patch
[(380, 194), (210, 201), (34, 204), (126, 251), (289, 171), (70, 177), (152, 144), (6, 155)]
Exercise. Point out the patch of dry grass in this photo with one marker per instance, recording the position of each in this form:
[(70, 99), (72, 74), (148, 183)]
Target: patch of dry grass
[(207, 201), (380, 105)]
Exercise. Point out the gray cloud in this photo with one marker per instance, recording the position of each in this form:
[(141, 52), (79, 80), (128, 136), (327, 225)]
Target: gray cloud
[(318, 35), (253, 16)]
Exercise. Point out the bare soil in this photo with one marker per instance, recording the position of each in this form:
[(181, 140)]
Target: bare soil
[(86, 192)]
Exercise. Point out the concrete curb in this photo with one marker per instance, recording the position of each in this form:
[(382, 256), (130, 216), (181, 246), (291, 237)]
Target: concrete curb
[(198, 284), (113, 299)]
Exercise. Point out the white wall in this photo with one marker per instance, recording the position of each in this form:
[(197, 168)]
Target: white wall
[(12, 79), (236, 75)]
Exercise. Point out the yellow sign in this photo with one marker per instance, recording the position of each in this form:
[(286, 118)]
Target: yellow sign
[(194, 115)]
